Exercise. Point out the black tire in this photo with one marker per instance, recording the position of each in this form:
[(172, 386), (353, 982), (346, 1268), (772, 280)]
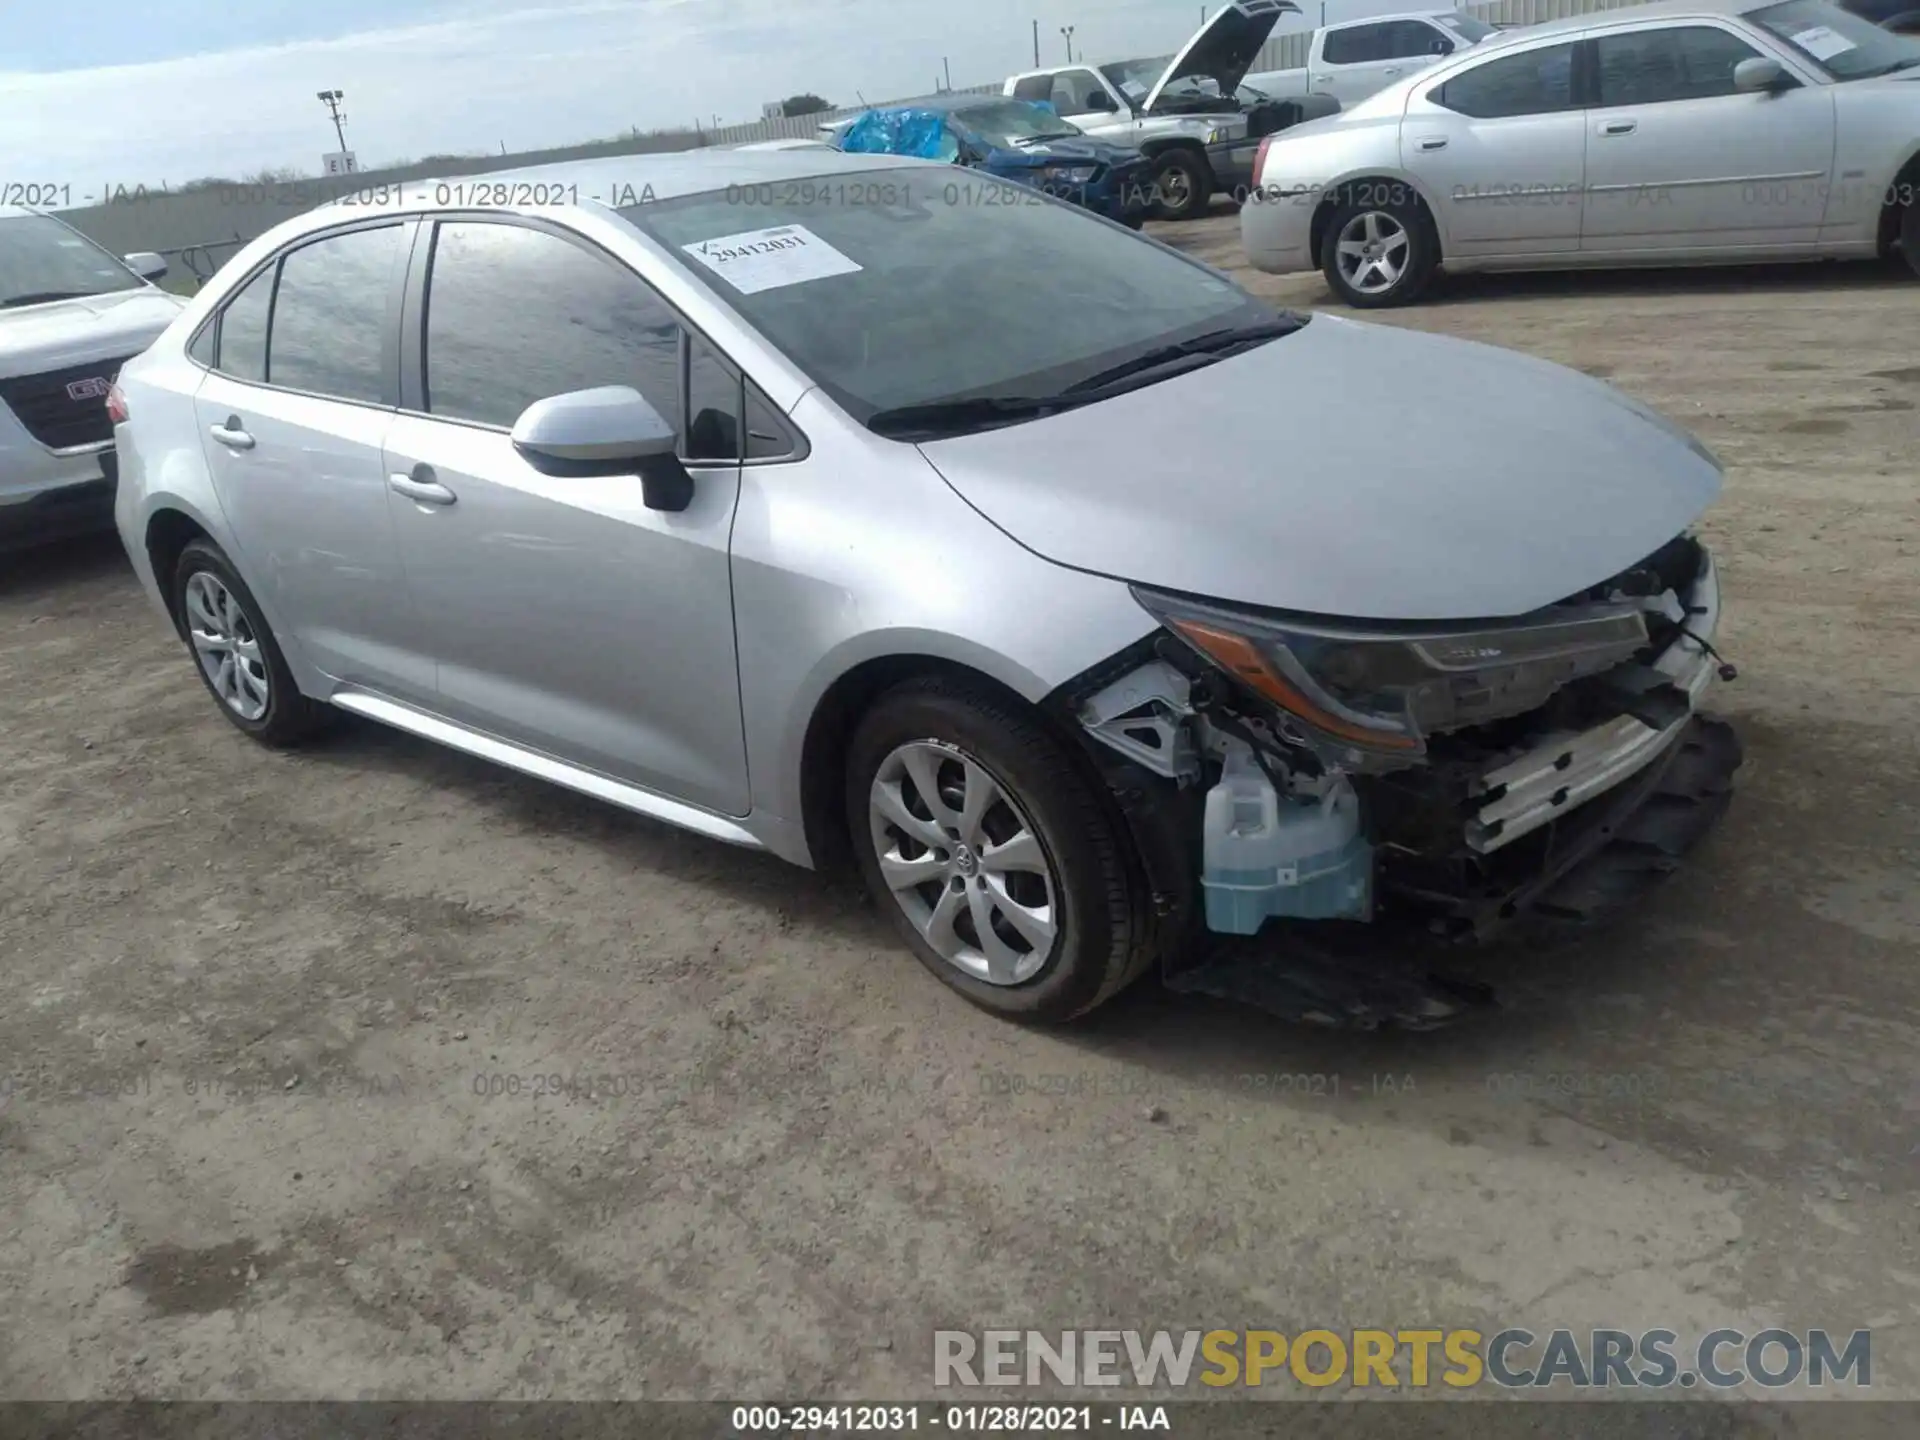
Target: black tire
[(1399, 208), (1182, 184), (1102, 941), (1910, 234), (289, 717)]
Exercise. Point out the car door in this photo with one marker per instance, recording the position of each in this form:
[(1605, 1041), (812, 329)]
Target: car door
[(1678, 159), (1499, 149), (566, 616), (294, 415)]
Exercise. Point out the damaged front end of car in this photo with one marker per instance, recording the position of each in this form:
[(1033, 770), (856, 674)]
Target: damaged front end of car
[(1434, 780)]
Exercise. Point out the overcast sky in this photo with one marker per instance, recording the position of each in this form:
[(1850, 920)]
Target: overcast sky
[(97, 93)]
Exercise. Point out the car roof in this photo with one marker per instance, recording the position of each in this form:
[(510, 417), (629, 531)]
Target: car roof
[(1626, 15)]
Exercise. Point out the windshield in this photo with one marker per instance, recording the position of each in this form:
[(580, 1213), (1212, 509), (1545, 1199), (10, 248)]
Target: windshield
[(41, 260), (1467, 27), (938, 285), (1135, 79), (1838, 41), (1008, 122)]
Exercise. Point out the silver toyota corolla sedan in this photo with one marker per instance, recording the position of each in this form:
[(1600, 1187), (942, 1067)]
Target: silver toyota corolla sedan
[(850, 507), (1682, 132)]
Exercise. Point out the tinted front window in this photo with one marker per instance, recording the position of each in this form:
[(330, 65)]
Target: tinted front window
[(713, 405), (1535, 83), (1408, 38), (516, 315), (243, 329), (1845, 45), (330, 316), (944, 284), (42, 260), (1646, 67)]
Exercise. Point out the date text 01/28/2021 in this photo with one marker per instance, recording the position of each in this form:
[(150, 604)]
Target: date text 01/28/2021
[(958, 1419)]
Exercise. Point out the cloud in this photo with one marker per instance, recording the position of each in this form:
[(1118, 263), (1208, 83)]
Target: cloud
[(524, 77)]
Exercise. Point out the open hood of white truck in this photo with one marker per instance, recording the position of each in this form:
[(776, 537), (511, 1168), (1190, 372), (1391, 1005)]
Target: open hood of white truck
[(1223, 50)]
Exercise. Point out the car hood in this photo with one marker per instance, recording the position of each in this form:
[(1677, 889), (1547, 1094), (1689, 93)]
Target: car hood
[(1224, 48), (70, 332), (1352, 470)]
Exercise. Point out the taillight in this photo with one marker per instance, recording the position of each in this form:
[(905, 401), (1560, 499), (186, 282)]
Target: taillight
[(116, 405), (1260, 161)]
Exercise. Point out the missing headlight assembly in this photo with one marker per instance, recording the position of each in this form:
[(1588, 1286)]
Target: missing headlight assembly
[(1349, 767)]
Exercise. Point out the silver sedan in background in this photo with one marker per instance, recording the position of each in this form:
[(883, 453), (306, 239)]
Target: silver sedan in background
[(1682, 132)]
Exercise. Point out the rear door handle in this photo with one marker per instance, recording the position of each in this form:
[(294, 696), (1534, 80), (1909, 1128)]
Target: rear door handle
[(231, 434), (1391, 70), (1619, 127), (1432, 142), (421, 487)]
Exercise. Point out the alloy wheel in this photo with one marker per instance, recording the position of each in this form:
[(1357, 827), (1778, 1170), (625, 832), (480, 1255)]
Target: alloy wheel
[(964, 862), (1372, 250), (228, 648)]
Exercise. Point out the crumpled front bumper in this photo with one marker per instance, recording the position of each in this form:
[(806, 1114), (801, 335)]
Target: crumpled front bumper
[(1567, 768)]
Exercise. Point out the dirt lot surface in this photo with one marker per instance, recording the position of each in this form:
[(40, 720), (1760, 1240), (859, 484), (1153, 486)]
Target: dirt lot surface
[(275, 1027)]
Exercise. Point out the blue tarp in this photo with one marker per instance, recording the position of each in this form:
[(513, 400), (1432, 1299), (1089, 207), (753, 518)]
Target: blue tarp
[(920, 133)]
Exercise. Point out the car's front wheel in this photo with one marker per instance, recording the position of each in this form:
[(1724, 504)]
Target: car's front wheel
[(1182, 184), (1378, 249), (238, 659), (993, 853)]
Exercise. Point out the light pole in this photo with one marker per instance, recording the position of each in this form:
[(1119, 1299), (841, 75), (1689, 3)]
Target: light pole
[(331, 99), (1067, 30)]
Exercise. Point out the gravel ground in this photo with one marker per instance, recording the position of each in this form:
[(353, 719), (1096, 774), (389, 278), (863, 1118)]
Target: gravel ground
[(258, 1015)]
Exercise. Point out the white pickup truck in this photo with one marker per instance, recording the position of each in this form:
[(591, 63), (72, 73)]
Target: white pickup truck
[(1351, 60)]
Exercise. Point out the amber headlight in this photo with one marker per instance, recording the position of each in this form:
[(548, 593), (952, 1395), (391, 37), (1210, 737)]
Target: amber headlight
[(1386, 689)]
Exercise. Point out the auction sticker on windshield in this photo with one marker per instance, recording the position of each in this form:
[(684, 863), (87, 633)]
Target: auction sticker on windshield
[(1823, 43), (756, 260)]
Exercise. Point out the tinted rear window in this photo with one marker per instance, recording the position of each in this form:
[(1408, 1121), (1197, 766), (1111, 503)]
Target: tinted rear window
[(330, 315)]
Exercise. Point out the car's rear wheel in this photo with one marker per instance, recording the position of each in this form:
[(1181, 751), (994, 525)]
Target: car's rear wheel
[(994, 855), (235, 653), (1378, 248), (1910, 234), (1182, 185)]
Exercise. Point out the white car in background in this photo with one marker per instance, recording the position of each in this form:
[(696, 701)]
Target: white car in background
[(1352, 60), (1680, 132), (70, 314)]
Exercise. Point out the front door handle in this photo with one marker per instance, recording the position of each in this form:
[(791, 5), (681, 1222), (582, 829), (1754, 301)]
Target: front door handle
[(1619, 127), (421, 487), (232, 434), (1391, 70), (1433, 142)]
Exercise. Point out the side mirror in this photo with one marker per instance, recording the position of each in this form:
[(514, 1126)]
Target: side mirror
[(611, 430), (146, 264), (1100, 100), (1759, 73)]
